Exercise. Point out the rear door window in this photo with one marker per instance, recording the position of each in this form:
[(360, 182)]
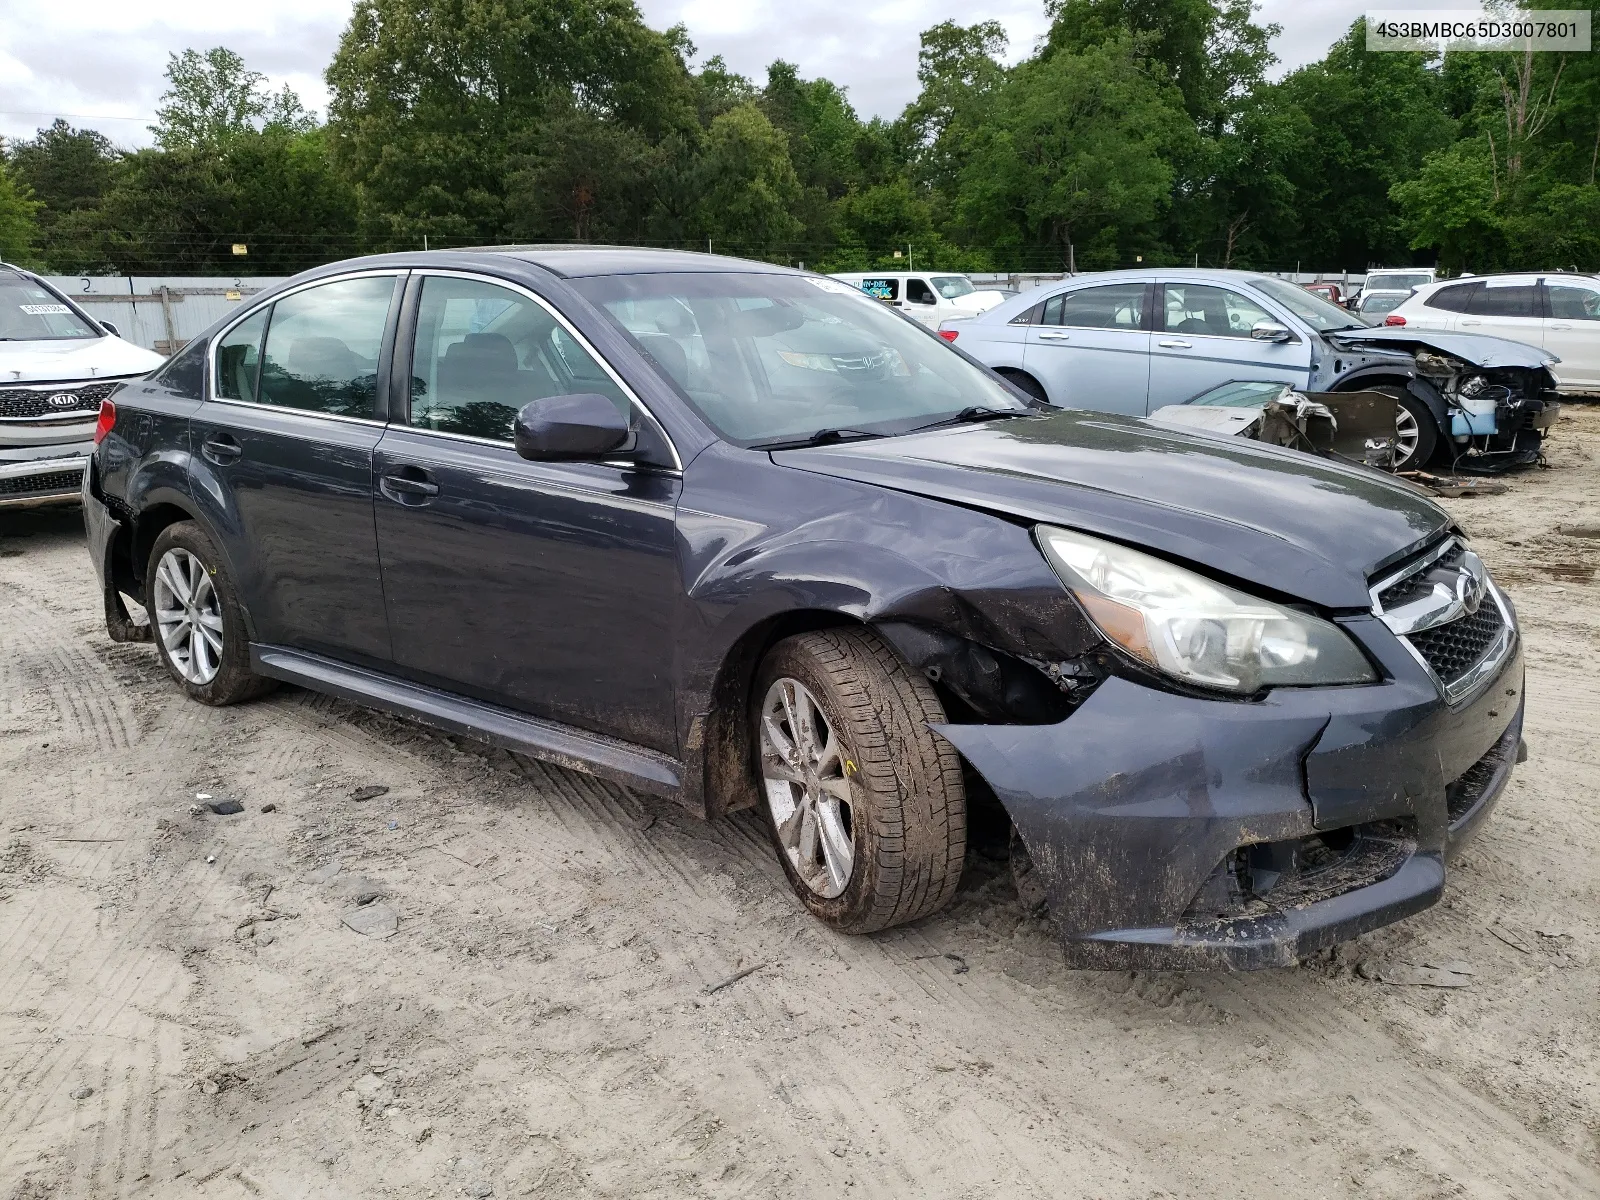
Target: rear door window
[(239, 358), (1115, 306), (1506, 300), (1453, 299), (323, 345)]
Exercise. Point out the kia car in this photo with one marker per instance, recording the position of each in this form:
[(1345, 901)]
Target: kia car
[(744, 537), (56, 365)]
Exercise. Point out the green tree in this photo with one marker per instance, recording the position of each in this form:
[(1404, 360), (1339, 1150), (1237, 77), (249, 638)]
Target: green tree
[(747, 186), (18, 231), (1450, 206), (212, 97), (68, 171), (430, 100), (1074, 157), (1211, 49), (1370, 120), (959, 69)]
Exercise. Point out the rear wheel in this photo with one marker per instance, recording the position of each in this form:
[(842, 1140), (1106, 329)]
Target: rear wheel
[(199, 628), (864, 802)]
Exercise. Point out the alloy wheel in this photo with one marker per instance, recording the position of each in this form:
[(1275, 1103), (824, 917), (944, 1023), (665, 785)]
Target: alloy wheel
[(805, 769), (188, 616), (1406, 437)]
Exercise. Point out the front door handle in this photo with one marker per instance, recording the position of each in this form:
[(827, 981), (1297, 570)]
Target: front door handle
[(414, 488), (1176, 344), (1562, 325), (1465, 323), (221, 449), (1049, 335)]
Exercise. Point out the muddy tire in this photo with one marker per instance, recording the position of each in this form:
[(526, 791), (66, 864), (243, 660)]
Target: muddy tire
[(194, 612), (865, 804)]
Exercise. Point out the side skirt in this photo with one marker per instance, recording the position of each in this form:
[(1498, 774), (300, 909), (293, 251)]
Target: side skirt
[(608, 758)]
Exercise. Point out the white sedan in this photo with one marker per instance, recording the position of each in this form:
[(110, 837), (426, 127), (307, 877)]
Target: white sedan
[(1559, 313)]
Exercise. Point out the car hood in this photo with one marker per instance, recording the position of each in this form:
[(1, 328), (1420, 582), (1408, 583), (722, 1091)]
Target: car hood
[(1478, 349), (1282, 520), (73, 359)]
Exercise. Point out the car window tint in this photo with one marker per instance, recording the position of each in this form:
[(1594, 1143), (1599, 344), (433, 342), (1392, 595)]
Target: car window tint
[(918, 292), (239, 358), (1516, 300), (1118, 306), (1453, 299), (1206, 311), (322, 347), (484, 351), (1568, 303), (185, 372)]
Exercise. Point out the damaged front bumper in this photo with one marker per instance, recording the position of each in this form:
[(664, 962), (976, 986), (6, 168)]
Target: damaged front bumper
[(1178, 832)]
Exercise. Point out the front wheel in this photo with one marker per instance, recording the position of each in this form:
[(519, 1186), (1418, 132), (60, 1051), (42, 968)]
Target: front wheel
[(199, 628), (864, 802), (1416, 434)]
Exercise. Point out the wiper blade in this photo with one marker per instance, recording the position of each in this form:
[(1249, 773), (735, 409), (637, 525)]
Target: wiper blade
[(976, 413), (821, 437)]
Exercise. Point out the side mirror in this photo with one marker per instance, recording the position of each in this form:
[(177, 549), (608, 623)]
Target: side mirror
[(111, 329), (1271, 331), (569, 428)]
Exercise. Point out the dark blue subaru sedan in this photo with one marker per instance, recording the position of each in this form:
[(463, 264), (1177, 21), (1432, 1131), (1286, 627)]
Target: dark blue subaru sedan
[(741, 536)]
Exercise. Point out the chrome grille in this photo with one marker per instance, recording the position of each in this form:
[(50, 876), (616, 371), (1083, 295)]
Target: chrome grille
[(31, 402), (1444, 609), (1454, 649)]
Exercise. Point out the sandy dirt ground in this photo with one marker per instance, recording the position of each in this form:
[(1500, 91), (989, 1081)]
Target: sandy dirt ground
[(183, 1010)]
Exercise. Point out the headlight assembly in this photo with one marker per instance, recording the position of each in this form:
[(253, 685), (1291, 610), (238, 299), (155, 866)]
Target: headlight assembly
[(1194, 629)]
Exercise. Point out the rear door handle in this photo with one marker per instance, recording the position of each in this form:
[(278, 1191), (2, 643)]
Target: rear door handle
[(1048, 335), (1466, 323), (1176, 344), (408, 489), (221, 449), (1562, 325)]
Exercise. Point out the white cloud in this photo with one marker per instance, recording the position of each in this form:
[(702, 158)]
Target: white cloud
[(95, 61)]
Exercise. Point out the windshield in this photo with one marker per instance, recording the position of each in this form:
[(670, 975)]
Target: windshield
[(1382, 302), (1402, 282), (768, 357), (1322, 315), (1244, 394), (30, 313), (951, 286)]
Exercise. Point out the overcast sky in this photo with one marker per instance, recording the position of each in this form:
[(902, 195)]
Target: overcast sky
[(95, 61)]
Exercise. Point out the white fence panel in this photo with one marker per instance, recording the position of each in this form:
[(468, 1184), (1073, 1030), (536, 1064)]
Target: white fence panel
[(161, 313)]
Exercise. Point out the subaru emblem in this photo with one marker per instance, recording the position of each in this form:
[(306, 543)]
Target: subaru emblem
[(1471, 583), (65, 400)]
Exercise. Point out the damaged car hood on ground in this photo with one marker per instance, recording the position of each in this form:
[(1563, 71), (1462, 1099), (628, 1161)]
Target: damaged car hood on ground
[(1128, 479)]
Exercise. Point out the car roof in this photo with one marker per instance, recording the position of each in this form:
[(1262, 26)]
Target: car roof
[(574, 262)]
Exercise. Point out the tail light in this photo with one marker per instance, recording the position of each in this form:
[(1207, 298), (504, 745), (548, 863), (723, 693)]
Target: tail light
[(107, 421), (1394, 319), (949, 335)]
